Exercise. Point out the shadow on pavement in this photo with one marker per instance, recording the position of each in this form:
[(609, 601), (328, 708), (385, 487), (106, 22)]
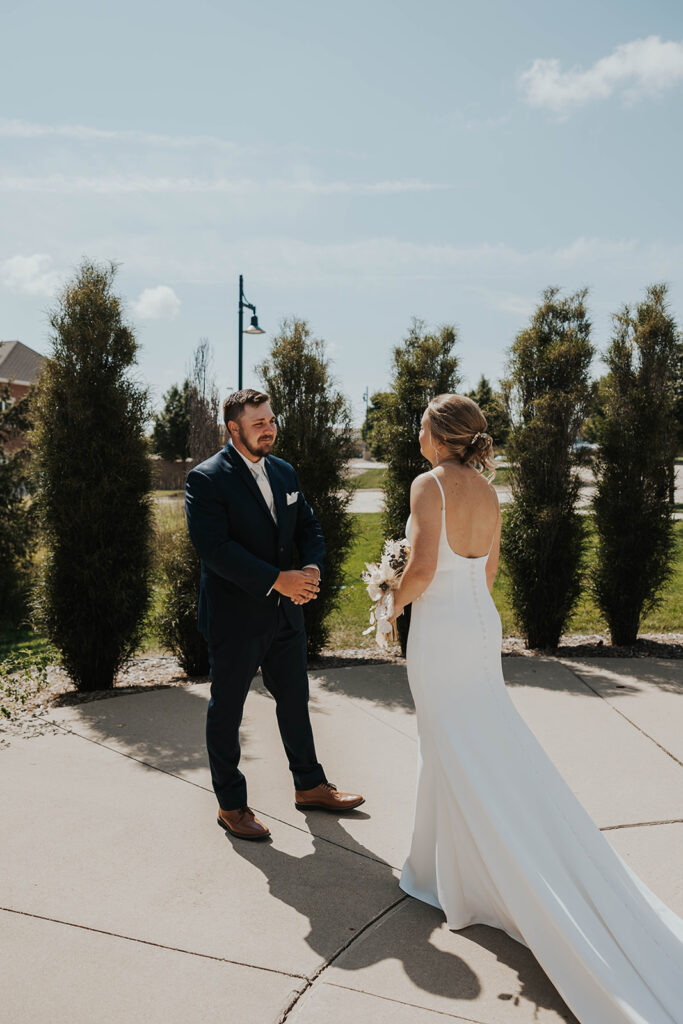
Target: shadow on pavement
[(388, 684), (380, 684), (174, 741), (665, 674), (298, 882)]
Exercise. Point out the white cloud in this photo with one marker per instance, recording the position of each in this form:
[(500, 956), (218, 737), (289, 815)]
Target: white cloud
[(30, 275), (160, 303), (14, 128), (640, 68), (513, 274), (113, 185)]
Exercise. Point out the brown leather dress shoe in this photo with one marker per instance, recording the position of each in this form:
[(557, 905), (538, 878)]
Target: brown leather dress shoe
[(242, 823), (326, 797)]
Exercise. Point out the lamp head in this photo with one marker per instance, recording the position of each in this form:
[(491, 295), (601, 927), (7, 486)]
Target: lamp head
[(254, 327)]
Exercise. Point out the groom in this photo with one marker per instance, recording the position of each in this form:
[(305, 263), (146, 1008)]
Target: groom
[(245, 512)]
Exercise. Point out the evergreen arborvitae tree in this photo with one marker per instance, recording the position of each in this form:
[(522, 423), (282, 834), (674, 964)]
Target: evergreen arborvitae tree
[(424, 366), (678, 407), (592, 426), (171, 433), (314, 435), (17, 512), (635, 465), (548, 394), (94, 483), (372, 431), (493, 407)]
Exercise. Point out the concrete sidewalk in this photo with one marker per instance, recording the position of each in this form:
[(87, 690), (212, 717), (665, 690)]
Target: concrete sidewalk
[(123, 901)]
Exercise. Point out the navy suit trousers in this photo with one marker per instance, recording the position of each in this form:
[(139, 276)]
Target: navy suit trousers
[(234, 663)]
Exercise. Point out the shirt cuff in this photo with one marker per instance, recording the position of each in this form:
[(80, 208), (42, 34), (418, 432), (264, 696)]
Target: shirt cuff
[(274, 582)]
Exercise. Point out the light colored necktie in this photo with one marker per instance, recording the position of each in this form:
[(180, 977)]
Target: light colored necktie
[(259, 471)]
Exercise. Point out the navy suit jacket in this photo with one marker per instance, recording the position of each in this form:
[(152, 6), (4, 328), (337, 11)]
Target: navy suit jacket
[(242, 550)]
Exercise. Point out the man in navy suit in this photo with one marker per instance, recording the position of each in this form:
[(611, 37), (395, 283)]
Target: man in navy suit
[(245, 515)]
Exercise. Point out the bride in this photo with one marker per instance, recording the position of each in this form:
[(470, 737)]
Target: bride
[(499, 837)]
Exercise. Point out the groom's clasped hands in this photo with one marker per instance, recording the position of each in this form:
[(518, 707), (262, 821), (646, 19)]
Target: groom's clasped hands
[(300, 585)]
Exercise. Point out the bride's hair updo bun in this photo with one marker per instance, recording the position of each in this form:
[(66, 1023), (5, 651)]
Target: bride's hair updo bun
[(457, 423)]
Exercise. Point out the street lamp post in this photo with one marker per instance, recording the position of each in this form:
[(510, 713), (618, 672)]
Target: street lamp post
[(252, 329), (366, 399)]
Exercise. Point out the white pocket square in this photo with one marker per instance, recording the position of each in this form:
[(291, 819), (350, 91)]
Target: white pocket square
[(291, 498)]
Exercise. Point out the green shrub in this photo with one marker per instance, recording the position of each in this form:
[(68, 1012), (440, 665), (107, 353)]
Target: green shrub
[(17, 512), (175, 622), (635, 465), (314, 435), (492, 405), (171, 432), (548, 394), (94, 481), (423, 366), (23, 674)]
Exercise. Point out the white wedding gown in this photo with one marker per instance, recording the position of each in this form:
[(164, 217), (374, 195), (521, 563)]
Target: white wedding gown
[(499, 837)]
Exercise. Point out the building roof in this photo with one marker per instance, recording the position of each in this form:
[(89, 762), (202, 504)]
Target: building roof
[(19, 363)]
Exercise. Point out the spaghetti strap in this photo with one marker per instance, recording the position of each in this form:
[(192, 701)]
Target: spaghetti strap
[(443, 496)]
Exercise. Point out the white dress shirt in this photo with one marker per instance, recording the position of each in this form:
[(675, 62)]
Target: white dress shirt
[(258, 471)]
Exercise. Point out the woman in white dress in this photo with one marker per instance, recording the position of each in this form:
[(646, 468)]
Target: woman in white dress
[(499, 837)]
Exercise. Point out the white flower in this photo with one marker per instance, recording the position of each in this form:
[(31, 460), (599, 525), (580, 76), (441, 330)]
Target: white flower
[(382, 579)]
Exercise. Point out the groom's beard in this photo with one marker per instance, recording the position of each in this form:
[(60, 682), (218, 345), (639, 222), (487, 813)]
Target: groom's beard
[(260, 449)]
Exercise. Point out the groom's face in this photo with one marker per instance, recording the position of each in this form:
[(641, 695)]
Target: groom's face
[(256, 429)]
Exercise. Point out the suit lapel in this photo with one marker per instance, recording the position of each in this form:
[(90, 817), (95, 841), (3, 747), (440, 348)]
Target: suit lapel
[(238, 462)]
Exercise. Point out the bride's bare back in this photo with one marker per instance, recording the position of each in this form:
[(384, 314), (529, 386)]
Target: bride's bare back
[(472, 510)]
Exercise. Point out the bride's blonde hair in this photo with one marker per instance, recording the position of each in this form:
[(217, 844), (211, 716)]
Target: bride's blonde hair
[(458, 423)]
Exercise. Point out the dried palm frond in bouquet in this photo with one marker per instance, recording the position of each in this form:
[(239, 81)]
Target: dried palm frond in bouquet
[(382, 579)]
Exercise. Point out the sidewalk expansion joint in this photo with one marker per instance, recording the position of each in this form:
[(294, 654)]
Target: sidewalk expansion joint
[(402, 1002), (625, 717), (642, 824), (335, 956), (205, 789), (149, 942)]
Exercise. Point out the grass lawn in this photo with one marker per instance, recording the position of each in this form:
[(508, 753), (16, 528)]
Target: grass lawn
[(24, 639), (374, 478), (370, 478), (352, 616), (349, 620)]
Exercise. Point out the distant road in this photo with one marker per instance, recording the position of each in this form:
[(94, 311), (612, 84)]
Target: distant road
[(372, 500)]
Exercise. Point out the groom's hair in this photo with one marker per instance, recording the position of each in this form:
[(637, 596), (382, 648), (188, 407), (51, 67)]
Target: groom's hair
[(234, 404)]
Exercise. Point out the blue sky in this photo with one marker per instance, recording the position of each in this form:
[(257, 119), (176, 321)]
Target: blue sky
[(359, 163)]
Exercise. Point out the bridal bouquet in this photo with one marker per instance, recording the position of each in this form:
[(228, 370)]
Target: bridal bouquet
[(382, 579)]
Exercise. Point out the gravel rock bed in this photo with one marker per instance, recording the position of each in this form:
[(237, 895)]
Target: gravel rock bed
[(157, 672), (584, 645)]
